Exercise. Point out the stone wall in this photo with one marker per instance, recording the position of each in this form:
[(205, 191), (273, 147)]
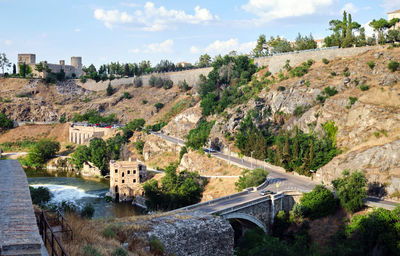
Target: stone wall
[(191, 77), (276, 63), (82, 134), (193, 234)]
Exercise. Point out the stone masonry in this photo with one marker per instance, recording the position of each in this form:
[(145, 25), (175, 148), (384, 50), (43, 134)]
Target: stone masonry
[(80, 134), (19, 234)]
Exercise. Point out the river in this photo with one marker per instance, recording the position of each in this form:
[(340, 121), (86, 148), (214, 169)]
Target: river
[(80, 192)]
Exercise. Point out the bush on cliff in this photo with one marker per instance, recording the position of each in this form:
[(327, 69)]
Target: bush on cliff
[(198, 137), (5, 122), (252, 178)]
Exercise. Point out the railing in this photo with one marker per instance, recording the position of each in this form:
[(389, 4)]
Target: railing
[(50, 239)]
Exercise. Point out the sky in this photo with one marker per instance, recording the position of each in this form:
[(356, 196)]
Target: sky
[(102, 31)]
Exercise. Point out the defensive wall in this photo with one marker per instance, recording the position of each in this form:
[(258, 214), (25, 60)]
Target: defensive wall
[(19, 234), (275, 63), (191, 76)]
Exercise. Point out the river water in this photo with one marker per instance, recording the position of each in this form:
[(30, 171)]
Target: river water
[(80, 192)]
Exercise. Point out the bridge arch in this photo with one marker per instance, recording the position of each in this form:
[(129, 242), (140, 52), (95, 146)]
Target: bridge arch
[(248, 217)]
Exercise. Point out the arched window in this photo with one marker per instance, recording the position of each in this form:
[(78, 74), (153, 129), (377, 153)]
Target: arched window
[(123, 181), (134, 171), (129, 172), (134, 180), (116, 170), (123, 174)]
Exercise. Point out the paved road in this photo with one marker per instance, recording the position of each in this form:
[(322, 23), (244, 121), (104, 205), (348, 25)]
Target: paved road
[(277, 181)]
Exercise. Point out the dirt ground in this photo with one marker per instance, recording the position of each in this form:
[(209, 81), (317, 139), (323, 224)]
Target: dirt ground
[(58, 132)]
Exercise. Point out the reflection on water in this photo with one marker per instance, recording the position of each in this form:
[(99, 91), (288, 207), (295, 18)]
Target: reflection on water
[(80, 192)]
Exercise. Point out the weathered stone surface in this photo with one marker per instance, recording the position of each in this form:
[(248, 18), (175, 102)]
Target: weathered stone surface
[(380, 163), (18, 228), (192, 234), (180, 126), (156, 146)]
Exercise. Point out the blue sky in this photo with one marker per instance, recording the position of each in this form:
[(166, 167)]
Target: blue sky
[(102, 31)]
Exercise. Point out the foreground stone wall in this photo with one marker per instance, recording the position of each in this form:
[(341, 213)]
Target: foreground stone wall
[(18, 229), (194, 234), (191, 77), (276, 63)]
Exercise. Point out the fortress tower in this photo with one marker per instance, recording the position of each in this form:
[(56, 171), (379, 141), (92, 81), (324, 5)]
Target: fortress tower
[(76, 62)]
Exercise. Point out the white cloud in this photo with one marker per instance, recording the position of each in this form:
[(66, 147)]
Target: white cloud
[(112, 17), (390, 5), (268, 10), (163, 47), (77, 30), (151, 18), (194, 50), (8, 42), (224, 47), (350, 8), (136, 50)]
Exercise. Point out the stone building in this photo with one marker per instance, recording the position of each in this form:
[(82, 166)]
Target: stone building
[(393, 15), (81, 134), (70, 70), (126, 178)]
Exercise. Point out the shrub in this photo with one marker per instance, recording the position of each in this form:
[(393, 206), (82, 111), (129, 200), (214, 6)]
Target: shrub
[(330, 91), (83, 79), (126, 95), (184, 86), (298, 211), (371, 64), (152, 81), (351, 190), (5, 122), (119, 252), (364, 87), (182, 152), (40, 195), (252, 178), (138, 82), (109, 90), (62, 119), (325, 61), (139, 145), (108, 232), (352, 100), (89, 250), (281, 88), (156, 246), (319, 202), (333, 73), (43, 151), (87, 211), (393, 65), (159, 106), (167, 84), (144, 102), (198, 137)]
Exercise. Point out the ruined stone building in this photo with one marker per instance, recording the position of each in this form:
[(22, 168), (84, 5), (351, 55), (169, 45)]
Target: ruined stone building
[(393, 15), (75, 69), (81, 134), (126, 178)]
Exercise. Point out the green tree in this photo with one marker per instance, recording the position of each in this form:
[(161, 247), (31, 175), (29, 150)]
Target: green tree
[(80, 156), (319, 202), (4, 62), (198, 137), (14, 69), (98, 154), (351, 190), (5, 122), (279, 45), (87, 211), (252, 178), (204, 61), (305, 43), (158, 106), (40, 195), (43, 151), (24, 70), (110, 90), (380, 26), (258, 51)]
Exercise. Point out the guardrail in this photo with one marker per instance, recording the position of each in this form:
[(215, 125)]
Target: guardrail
[(49, 235)]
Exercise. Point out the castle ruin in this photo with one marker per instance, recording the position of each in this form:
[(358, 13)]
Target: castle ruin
[(71, 71)]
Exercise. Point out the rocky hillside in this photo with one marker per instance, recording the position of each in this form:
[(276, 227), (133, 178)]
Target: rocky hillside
[(26, 100), (362, 100)]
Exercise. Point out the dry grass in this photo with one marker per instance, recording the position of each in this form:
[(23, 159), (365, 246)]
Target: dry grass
[(218, 187)]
